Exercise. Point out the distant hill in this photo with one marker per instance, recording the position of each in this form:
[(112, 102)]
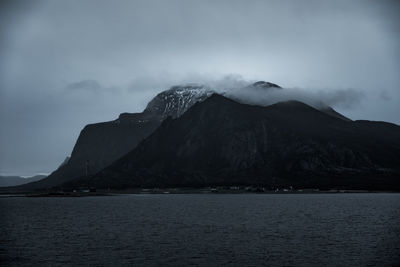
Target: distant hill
[(223, 142), (18, 180)]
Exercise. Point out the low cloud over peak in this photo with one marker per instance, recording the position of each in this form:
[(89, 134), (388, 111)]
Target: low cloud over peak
[(251, 91)]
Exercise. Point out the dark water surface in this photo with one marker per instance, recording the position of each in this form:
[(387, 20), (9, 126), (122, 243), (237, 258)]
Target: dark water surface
[(207, 230)]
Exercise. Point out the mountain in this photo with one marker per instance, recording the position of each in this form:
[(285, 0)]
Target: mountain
[(18, 180), (223, 142), (100, 144)]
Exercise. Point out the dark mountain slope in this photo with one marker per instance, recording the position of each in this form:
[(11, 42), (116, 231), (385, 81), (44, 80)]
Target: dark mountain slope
[(222, 142)]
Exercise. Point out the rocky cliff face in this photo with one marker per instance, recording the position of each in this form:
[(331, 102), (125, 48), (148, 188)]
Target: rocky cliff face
[(222, 142)]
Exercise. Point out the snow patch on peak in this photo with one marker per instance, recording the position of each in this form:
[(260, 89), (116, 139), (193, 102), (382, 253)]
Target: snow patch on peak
[(176, 100)]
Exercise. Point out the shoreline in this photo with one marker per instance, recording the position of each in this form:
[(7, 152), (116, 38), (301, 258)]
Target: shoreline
[(177, 191)]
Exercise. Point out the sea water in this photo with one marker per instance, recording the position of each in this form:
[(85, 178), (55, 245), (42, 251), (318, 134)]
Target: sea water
[(202, 229)]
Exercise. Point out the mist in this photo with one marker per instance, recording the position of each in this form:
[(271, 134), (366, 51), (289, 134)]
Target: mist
[(345, 99), (238, 88)]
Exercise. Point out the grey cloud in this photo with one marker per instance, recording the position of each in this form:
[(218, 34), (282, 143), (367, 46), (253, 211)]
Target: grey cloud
[(234, 85), (385, 95), (346, 98), (89, 85), (92, 86), (342, 98)]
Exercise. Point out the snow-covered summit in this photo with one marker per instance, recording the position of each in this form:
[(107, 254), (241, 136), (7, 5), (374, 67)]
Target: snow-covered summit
[(176, 100)]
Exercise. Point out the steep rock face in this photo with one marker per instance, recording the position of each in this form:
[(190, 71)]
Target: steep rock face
[(222, 142)]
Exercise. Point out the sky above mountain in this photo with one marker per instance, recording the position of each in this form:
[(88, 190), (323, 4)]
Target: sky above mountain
[(65, 64)]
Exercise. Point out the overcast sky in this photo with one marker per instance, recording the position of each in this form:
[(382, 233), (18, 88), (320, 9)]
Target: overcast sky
[(64, 64)]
